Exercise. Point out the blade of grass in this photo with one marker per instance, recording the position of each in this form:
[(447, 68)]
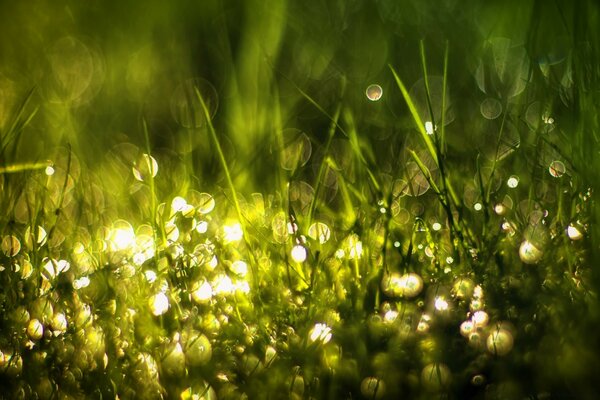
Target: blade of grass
[(318, 183), (426, 81), (444, 88), (18, 123), (10, 169), (413, 110), (234, 198), (354, 142), (222, 160)]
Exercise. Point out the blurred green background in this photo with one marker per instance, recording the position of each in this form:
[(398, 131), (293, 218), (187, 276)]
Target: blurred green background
[(98, 69)]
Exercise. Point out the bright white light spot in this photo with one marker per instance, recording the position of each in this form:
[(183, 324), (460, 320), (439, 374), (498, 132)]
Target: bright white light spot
[(407, 285), (121, 236), (139, 258), (53, 268), (320, 332), (500, 209), (441, 304), (340, 253), (390, 316), (242, 287), (232, 233), (319, 231), (82, 282), (396, 244), (449, 260), (574, 233), (202, 227), (528, 253), (59, 322), (480, 318), (159, 304), (178, 204), (202, 292), (212, 264), (150, 276), (374, 92), (429, 127), (478, 207), (239, 268), (298, 253), (223, 285), (49, 170), (513, 182), (478, 292), (436, 226)]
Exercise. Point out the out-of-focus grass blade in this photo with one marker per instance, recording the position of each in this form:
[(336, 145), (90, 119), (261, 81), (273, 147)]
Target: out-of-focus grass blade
[(442, 142), (353, 136), (222, 160), (426, 80), (427, 174), (18, 122), (318, 184), (11, 169), (413, 110)]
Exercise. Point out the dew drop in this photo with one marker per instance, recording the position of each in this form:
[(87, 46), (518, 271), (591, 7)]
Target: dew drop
[(145, 168), (490, 108), (500, 342), (296, 150), (374, 92), (372, 388), (512, 182), (528, 253), (319, 231), (557, 168), (574, 233)]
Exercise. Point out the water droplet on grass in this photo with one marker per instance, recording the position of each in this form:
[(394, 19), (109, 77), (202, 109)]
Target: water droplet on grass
[(528, 253), (490, 108), (557, 168), (10, 245), (374, 92), (296, 150), (319, 231), (144, 168), (513, 182)]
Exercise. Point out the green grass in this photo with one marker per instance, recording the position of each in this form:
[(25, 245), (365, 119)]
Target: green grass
[(261, 108)]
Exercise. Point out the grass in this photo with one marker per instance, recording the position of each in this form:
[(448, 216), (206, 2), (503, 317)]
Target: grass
[(388, 258)]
